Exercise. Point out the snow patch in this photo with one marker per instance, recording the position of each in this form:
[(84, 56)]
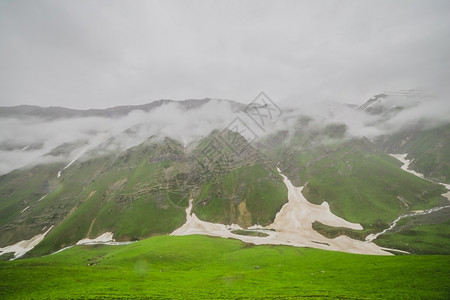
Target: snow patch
[(74, 160), (406, 163), (104, 238), (292, 226), (19, 249)]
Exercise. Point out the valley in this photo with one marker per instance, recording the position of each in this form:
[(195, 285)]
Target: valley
[(112, 200)]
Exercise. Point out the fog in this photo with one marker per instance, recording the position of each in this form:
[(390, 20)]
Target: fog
[(308, 56), (103, 53), (31, 141)]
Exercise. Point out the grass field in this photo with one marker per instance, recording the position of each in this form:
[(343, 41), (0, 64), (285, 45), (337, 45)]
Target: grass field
[(423, 239), (200, 267)]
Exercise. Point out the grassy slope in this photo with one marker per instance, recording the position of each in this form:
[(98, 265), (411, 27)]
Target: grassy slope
[(139, 193), (422, 239), (246, 196), (204, 267), (24, 188), (124, 194), (362, 185), (430, 149)]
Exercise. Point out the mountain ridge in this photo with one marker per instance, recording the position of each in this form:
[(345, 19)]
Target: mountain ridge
[(135, 180), (57, 112)]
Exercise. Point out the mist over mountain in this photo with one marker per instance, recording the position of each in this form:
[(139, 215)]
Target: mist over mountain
[(30, 134), (94, 168)]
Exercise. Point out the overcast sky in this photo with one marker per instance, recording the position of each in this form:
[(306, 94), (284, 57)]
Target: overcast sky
[(97, 54)]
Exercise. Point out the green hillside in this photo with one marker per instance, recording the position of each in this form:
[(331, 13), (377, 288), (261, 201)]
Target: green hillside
[(199, 267), (429, 148), (144, 191), (141, 192), (364, 186), (23, 210), (361, 183), (134, 194), (421, 238), (246, 196)]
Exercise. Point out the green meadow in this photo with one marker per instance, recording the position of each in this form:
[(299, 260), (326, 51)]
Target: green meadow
[(200, 267)]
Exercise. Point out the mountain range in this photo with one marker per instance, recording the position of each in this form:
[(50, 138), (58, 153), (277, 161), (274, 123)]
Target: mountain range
[(131, 171)]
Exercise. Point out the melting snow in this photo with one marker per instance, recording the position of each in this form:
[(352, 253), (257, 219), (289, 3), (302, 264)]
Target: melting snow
[(42, 197), (406, 163), (25, 209), (19, 249), (292, 226), (104, 238), (74, 160)]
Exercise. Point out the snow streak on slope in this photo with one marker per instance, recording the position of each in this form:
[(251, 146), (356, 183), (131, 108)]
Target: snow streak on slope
[(406, 163), (19, 249), (292, 226), (103, 239), (74, 160)]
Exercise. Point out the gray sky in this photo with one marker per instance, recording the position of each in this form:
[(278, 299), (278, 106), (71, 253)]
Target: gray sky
[(96, 54)]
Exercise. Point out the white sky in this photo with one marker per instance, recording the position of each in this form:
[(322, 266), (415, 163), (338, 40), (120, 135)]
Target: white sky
[(96, 54)]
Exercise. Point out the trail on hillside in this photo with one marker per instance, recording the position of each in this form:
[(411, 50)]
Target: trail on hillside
[(292, 226)]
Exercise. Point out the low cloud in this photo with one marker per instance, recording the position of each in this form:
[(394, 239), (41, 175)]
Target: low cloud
[(30, 141)]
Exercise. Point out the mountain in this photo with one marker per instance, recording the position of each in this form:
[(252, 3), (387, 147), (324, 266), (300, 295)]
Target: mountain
[(131, 171), (52, 113)]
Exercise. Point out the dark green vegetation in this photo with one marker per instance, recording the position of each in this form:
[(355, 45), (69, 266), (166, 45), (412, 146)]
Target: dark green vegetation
[(426, 234), (249, 232), (194, 267), (423, 239), (245, 196)]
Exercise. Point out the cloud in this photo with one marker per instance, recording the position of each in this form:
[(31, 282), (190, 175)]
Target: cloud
[(88, 54), (96, 54), (31, 140)]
